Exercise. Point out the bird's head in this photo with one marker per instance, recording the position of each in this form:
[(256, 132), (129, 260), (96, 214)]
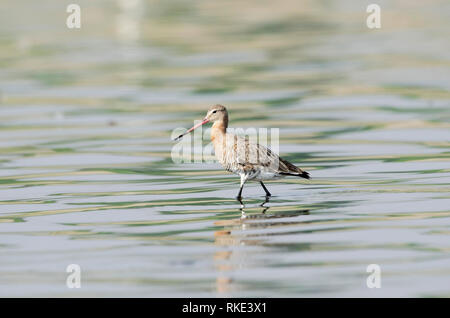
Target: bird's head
[(214, 114)]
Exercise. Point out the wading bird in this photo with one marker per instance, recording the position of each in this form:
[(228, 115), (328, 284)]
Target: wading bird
[(251, 161)]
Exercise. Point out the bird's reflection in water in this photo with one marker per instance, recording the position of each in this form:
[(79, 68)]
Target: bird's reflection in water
[(228, 258), (263, 211)]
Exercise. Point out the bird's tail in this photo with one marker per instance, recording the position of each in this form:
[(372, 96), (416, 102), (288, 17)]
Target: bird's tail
[(302, 174), (293, 170)]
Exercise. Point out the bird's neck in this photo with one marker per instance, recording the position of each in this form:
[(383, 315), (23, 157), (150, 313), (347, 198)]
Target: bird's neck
[(219, 129)]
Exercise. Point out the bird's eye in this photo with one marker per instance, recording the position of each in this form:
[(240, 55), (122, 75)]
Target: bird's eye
[(214, 112)]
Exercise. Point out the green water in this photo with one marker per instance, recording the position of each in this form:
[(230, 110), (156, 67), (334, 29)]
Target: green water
[(86, 175)]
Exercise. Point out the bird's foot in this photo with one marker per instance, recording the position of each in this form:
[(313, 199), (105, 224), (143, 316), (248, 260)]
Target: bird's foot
[(265, 208), (265, 201)]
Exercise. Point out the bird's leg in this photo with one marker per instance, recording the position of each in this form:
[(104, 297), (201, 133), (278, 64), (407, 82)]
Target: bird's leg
[(240, 201), (265, 201), (265, 208), (265, 189), (239, 196), (243, 179)]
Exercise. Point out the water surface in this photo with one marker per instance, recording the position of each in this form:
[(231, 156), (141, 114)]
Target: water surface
[(86, 175)]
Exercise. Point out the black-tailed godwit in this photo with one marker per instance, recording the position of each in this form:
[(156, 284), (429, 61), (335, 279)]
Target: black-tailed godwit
[(251, 161)]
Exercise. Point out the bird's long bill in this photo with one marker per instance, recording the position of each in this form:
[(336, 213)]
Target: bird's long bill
[(191, 129)]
